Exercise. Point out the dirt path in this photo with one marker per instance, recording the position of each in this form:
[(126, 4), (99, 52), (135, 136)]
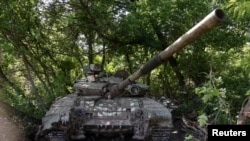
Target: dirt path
[(9, 129)]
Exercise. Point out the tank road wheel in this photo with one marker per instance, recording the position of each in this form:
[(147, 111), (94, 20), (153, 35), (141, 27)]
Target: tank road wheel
[(104, 138), (53, 139), (119, 138), (56, 139), (55, 136), (88, 138)]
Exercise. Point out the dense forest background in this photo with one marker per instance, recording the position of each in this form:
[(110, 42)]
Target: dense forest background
[(44, 45)]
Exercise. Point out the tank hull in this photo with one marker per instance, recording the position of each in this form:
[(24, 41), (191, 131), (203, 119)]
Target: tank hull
[(77, 117)]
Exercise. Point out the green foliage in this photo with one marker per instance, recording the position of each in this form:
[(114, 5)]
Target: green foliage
[(189, 137), (214, 99), (239, 8), (202, 120)]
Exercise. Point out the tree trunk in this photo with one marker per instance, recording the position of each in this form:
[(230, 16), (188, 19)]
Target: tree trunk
[(5, 80), (33, 86), (172, 61), (244, 114)]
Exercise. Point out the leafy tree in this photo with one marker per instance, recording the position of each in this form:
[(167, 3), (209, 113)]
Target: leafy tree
[(44, 45)]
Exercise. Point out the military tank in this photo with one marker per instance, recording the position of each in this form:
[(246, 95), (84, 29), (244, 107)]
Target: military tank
[(116, 107)]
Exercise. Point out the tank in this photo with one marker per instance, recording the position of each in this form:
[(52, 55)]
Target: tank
[(117, 107)]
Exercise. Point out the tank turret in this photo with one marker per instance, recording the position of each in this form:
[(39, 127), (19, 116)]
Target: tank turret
[(116, 107), (97, 83)]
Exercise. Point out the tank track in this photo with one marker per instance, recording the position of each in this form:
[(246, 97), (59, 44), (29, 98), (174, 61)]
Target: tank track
[(160, 133), (60, 136), (54, 136)]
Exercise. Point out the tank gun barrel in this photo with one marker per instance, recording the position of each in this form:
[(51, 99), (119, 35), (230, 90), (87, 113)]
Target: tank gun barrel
[(210, 21)]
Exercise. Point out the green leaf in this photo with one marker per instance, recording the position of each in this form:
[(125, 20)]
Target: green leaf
[(202, 120)]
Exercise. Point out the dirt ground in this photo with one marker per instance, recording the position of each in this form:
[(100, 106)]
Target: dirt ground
[(10, 130)]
